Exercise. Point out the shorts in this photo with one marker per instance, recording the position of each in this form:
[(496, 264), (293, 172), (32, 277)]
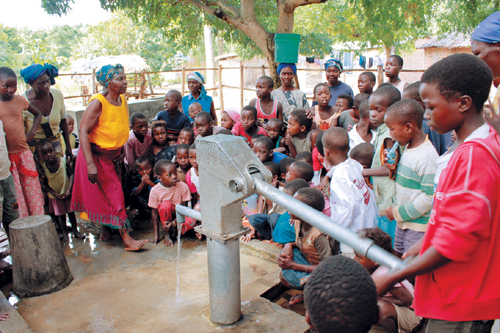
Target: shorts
[(296, 278), (407, 319), (9, 208), (404, 239)]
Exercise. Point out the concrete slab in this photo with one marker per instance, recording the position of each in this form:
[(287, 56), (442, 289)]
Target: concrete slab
[(15, 323), (260, 249)]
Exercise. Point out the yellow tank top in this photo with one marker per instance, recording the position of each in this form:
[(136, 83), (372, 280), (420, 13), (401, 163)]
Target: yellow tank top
[(58, 180), (113, 128)]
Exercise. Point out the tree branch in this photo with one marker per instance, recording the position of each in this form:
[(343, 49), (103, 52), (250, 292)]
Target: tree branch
[(247, 8), (228, 8), (292, 4)]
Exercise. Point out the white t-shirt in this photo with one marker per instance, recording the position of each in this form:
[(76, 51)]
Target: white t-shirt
[(352, 203), (4, 155), (355, 139)]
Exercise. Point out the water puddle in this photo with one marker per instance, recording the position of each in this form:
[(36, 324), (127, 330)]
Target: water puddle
[(190, 244)]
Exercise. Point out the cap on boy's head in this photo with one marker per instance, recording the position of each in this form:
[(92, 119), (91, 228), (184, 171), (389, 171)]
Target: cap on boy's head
[(224, 131), (320, 85), (285, 163), (385, 84), (175, 94), (370, 76), (360, 98), (275, 122), (267, 142), (398, 59), (142, 159), (162, 165), (336, 138), (461, 74), (379, 237), (203, 115), (250, 108), (341, 297), (7, 72), (350, 100), (300, 116), (363, 154), (413, 91), (304, 156), (304, 170), (295, 185), (137, 116), (406, 111), (389, 92), (273, 167), (269, 81), (364, 109), (319, 144), (311, 197), (182, 146)]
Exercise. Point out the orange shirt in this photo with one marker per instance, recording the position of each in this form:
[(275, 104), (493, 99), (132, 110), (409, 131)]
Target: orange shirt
[(11, 114)]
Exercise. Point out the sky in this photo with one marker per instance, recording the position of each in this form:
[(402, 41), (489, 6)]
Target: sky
[(29, 13)]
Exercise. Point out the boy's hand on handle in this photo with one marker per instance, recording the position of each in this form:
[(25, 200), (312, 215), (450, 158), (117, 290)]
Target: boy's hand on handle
[(92, 172), (414, 250), (384, 283), (390, 213)]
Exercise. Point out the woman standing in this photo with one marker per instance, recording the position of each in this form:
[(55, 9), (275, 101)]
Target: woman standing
[(198, 94), (50, 102), (289, 96), (104, 130)]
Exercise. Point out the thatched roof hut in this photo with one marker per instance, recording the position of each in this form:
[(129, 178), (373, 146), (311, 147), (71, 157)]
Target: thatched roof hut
[(131, 63), (448, 41)]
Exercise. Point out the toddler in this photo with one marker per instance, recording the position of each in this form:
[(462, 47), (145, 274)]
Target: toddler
[(267, 107), (247, 126), (142, 183), (163, 198), (393, 67), (139, 140), (186, 136), (160, 150), (299, 136), (57, 181), (273, 131), (229, 118), (366, 82), (174, 119), (73, 138)]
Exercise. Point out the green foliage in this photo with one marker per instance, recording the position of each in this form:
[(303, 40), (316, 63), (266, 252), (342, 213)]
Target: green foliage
[(463, 15)]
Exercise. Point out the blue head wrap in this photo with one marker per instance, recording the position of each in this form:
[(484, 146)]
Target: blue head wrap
[(335, 63), (107, 73), (282, 65), (31, 73), (198, 77), (488, 31)]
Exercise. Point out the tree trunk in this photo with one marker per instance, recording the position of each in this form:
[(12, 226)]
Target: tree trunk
[(209, 55)]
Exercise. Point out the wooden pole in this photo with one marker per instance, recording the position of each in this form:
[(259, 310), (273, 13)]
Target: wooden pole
[(150, 85), (183, 81), (297, 81), (94, 88), (242, 83), (221, 96), (263, 70), (380, 75), (142, 92)]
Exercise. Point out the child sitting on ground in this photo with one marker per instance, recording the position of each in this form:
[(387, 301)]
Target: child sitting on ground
[(163, 198), (366, 82), (172, 116), (229, 118), (297, 260), (364, 130), (415, 173), (383, 186), (267, 108), (57, 181), (394, 312), (247, 126), (142, 183), (340, 297), (139, 141), (182, 161), (345, 104), (273, 130), (393, 67), (263, 148), (351, 201), (194, 109), (299, 135), (160, 150), (205, 125), (325, 115)]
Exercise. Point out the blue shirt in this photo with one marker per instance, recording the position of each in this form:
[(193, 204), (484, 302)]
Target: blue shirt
[(203, 99), (283, 232), (174, 125), (440, 141), (340, 89), (277, 157)]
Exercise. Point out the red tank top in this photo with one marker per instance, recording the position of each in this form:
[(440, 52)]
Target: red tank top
[(262, 115)]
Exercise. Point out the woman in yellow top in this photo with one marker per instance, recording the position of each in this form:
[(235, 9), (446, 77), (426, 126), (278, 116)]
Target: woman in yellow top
[(104, 130)]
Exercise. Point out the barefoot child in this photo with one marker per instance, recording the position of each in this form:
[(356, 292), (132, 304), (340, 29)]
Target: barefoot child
[(267, 107), (175, 120), (393, 67), (139, 140), (163, 198), (273, 130), (325, 115), (57, 181), (23, 169), (415, 173), (247, 126), (299, 136), (366, 82), (229, 118), (160, 150), (182, 161), (142, 183)]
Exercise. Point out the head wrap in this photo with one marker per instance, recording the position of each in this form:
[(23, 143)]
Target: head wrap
[(107, 73), (198, 77), (31, 73), (282, 65), (235, 116), (335, 63), (488, 31)]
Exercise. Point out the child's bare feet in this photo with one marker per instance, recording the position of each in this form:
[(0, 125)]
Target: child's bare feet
[(131, 244), (296, 299), (168, 241), (78, 234), (4, 316)]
